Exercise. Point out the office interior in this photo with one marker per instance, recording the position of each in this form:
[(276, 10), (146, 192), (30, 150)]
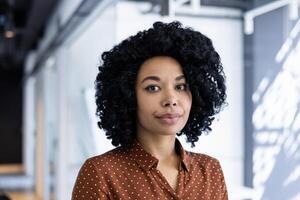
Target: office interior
[(50, 51)]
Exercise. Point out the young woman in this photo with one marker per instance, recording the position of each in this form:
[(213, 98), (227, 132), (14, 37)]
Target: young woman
[(157, 84)]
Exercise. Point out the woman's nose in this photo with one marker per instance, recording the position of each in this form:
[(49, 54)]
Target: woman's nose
[(170, 99), (169, 102)]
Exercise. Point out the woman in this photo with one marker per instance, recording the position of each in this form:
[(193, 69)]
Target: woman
[(162, 82)]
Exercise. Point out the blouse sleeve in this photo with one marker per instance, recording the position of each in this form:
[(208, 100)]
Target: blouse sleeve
[(223, 188), (89, 184)]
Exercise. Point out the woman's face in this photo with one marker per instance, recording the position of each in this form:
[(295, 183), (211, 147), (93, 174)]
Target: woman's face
[(163, 97)]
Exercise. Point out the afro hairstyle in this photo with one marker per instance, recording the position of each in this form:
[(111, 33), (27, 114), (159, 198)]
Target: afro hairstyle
[(115, 83)]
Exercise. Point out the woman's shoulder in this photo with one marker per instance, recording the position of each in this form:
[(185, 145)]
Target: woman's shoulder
[(108, 159), (95, 172), (204, 160)]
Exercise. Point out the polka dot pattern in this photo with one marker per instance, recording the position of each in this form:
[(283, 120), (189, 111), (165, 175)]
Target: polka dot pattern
[(131, 173)]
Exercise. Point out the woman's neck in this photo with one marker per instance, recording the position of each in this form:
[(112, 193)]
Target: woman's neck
[(160, 146)]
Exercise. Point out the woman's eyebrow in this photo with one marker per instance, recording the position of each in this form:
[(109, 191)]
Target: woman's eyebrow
[(180, 77), (156, 78)]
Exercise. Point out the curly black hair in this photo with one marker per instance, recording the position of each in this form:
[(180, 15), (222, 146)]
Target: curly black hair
[(115, 82)]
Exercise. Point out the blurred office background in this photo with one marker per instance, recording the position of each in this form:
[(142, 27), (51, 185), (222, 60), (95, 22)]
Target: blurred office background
[(49, 53)]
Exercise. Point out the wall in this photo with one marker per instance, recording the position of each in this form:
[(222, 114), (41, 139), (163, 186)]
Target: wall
[(79, 66), (64, 137), (276, 100)]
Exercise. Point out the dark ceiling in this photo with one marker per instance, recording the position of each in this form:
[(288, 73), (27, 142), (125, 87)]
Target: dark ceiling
[(21, 25)]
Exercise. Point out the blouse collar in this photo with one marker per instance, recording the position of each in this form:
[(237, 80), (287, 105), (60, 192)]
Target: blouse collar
[(148, 161)]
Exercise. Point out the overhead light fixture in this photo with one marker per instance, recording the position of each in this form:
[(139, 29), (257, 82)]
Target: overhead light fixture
[(9, 34), (293, 9), (249, 23)]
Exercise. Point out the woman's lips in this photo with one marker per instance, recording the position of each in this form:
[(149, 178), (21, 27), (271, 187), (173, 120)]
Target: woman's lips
[(168, 119)]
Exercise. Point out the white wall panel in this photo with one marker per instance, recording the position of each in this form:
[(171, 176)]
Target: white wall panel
[(82, 59)]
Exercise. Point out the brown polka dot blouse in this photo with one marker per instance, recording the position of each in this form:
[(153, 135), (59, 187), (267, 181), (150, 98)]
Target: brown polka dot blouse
[(131, 173)]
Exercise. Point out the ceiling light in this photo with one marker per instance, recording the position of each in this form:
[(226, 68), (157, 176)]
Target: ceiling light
[(9, 34)]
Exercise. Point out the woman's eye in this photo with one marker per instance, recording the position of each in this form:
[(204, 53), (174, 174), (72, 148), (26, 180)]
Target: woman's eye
[(182, 87), (152, 88)]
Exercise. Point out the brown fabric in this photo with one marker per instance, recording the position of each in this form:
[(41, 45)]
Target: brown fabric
[(131, 174)]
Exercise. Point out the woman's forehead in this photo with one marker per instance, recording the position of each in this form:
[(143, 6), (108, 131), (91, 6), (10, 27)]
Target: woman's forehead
[(160, 66)]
